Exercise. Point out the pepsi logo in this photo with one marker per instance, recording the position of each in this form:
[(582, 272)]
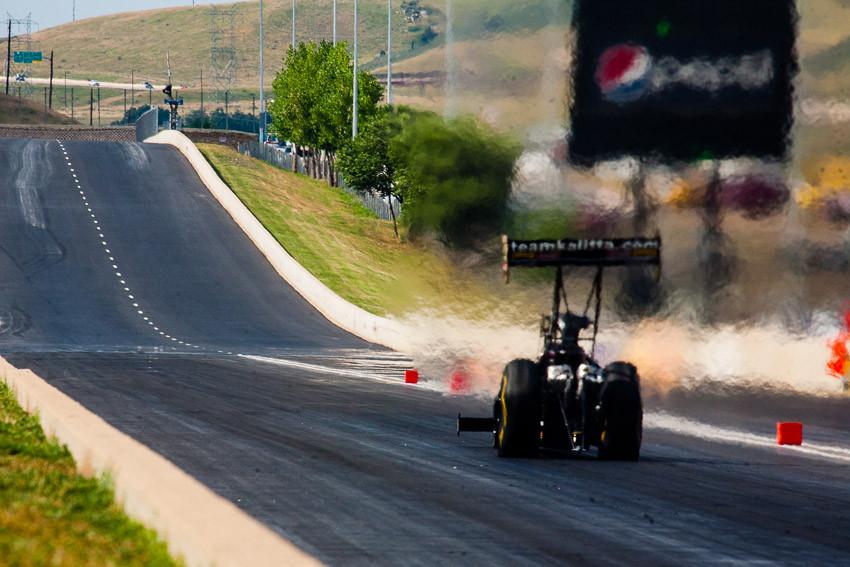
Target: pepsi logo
[(624, 72)]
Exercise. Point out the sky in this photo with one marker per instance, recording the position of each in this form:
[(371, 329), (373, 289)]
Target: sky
[(48, 13)]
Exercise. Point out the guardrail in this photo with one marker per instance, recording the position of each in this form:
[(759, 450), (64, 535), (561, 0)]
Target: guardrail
[(375, 202)]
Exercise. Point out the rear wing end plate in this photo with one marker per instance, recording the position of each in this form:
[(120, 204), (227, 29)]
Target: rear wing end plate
[(596, 252)]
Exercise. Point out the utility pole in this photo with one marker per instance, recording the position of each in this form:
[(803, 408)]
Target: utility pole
[(354, 110), (262, 128), (51, 79), (8, 54), (334, 22), (390, 52)]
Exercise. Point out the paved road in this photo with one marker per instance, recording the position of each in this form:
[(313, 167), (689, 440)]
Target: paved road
[(309, 429), (57, 82)]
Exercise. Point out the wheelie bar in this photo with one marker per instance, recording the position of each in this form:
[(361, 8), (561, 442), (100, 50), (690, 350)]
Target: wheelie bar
[(475, 424)]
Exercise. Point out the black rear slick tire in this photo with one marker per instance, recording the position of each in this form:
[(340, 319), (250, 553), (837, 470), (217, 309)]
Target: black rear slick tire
[(518, 410)]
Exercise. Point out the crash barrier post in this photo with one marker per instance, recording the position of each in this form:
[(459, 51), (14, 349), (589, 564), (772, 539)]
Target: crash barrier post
[(789, 433), (147, 125)]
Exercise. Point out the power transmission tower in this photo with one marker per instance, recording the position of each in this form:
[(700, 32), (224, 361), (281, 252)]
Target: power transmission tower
[(222, 51), (20, 40)]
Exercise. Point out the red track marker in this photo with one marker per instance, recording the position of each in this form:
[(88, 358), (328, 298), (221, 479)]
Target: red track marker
[(789, 433), (411, 376)]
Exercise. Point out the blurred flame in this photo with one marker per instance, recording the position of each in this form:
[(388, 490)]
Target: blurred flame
[(839, 361), (656, 348)]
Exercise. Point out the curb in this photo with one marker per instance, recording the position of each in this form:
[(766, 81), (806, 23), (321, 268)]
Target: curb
[(199, 526), (353, 319)]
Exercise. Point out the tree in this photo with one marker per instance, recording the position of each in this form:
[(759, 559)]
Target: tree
[(313, 96), (366, 161), (452, 178), (456, 177)]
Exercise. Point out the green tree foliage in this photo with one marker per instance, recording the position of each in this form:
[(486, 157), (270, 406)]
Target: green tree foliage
[(366, 162), (313, 96), (455, 176), (134, 113), (239, 121), (452, 178)]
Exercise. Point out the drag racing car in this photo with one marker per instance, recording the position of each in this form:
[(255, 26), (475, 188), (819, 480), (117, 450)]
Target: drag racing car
[(565, 400)]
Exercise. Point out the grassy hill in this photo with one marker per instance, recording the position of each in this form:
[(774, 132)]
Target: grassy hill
[(15, 110), (99, 47), (507, 63)]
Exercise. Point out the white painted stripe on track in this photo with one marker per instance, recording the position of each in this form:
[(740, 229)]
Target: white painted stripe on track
[(339, 371), (709, 432), (97, 226)]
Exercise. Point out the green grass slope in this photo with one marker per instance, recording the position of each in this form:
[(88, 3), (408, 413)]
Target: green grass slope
[(52, 515)]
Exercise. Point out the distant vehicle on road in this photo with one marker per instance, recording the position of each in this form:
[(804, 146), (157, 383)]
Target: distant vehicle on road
[(146, 84), (93, 83), (20, 77)]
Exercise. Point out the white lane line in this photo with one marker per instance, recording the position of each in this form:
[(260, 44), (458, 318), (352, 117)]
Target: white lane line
[(96, 224), (691, 428), (339, 371)]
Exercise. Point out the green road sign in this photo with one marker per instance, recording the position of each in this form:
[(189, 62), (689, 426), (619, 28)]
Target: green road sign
[(27, 56)]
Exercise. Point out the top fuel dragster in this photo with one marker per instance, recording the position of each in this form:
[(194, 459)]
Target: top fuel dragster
[(565, 400)]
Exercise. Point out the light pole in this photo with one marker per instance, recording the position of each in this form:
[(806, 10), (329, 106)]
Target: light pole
[(293, 25), (354, 111), (262, 127), (334, 22), (390, 52)]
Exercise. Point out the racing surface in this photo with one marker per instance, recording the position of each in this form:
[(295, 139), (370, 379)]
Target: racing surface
[(309, 429)]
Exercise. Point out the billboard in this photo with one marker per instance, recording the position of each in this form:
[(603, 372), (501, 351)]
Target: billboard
[(679, 80)]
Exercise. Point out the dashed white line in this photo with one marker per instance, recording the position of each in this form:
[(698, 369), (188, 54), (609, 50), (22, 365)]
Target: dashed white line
[(96, 224)]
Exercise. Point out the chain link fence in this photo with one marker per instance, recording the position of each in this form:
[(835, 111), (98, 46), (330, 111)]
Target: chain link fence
[(278, 157)]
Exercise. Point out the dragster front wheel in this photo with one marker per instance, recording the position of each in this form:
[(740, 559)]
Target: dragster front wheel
[(518, 410)]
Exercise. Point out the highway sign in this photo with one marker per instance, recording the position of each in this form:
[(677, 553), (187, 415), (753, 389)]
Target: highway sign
[(676, 81), (28, 56)]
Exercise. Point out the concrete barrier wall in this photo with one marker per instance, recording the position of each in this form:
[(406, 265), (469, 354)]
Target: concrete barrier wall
[(381, 330), (147, 125), (203, 528)]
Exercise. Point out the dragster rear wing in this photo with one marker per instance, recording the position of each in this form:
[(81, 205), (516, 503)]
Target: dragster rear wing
[(599, 252)]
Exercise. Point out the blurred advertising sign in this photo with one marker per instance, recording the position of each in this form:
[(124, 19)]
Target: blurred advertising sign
[(678, 80)]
